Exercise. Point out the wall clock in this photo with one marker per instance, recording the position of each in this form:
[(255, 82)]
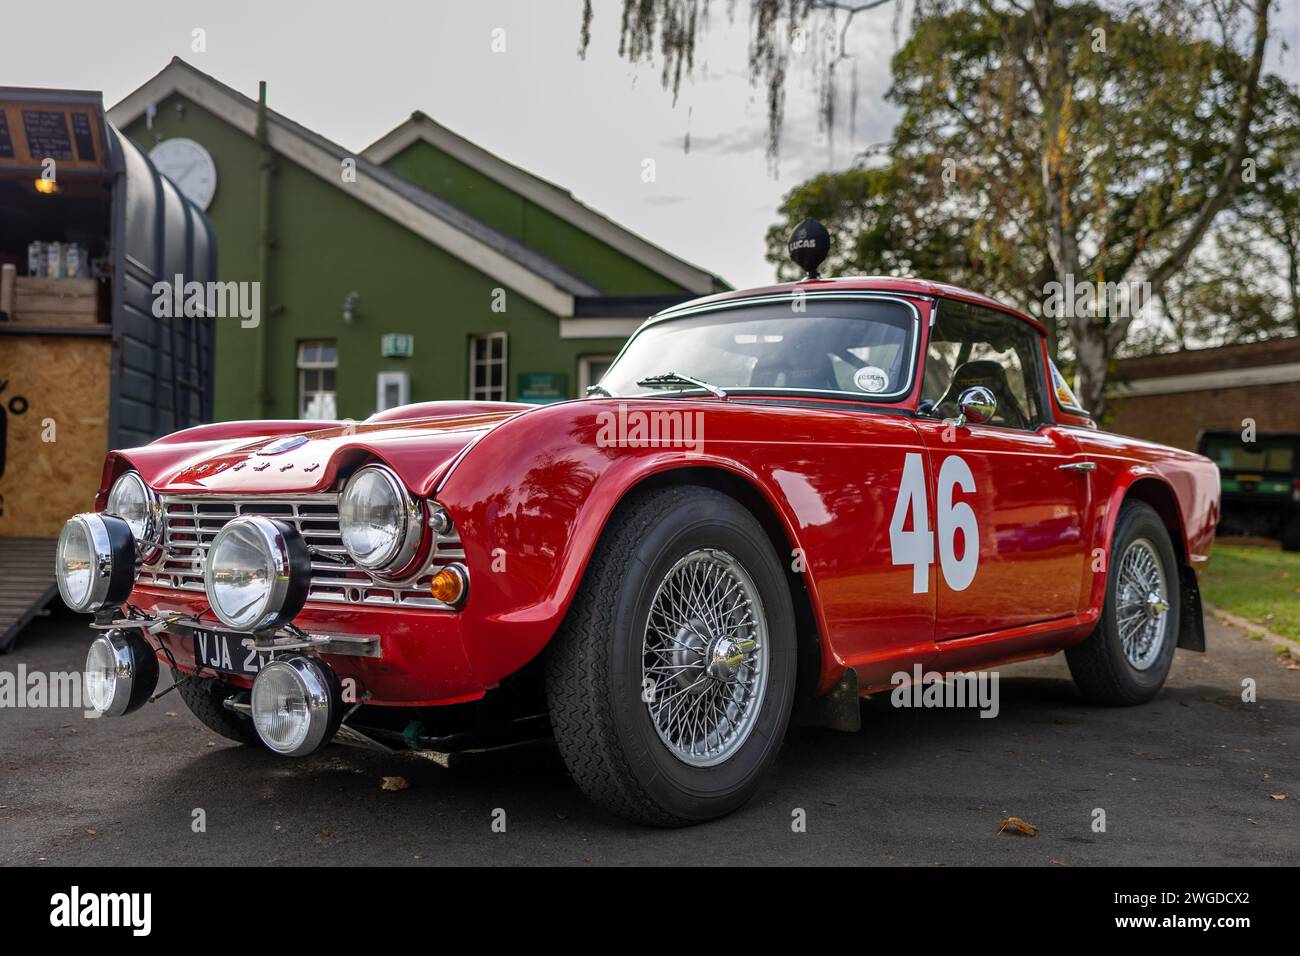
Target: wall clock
[(189, 165)]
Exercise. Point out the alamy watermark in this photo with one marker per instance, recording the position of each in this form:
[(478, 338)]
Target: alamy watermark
[(41, 690), (76, 909), (219, 300), (1087, 299), (650, 428), (923, 689)]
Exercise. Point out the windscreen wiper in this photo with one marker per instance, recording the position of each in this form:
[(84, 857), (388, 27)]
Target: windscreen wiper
[(681, 381), (599, 390)]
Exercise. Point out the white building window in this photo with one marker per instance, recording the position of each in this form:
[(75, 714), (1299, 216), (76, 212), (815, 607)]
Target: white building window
[(394, 389), (318, 364), (487, 367), (591, 369)]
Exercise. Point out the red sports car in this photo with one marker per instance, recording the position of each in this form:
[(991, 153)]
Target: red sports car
[(775, 501)]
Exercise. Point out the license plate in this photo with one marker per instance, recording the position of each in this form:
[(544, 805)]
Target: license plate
[(225, 652)]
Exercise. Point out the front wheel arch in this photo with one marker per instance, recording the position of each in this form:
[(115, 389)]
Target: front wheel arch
[(1156, 494), (1161, 498), (812, 654), (1103, 665)]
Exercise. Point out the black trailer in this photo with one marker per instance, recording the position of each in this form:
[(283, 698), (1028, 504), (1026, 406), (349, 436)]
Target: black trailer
[(88, 228)]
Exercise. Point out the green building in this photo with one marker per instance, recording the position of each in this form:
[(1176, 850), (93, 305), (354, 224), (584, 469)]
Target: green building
[(423, 268)]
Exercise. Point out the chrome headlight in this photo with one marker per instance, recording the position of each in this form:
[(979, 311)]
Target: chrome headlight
[(121, 672), (380, 523), (94, 562), (257, 574), (132, 500)]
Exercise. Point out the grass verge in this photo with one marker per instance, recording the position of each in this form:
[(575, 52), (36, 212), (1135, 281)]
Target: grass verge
[(1260, 584)]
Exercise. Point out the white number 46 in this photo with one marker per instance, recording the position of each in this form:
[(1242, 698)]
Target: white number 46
[(916, 547)]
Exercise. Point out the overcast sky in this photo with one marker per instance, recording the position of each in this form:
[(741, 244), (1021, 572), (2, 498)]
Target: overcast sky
[(353, 70)]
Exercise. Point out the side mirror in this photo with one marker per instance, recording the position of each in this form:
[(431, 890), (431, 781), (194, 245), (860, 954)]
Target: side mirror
[(977, 406)]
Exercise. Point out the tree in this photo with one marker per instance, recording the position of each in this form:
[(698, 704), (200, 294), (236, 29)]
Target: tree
[(1096, 135), (814, 30), (1248, 269), (1273, 209), (1043, 146)]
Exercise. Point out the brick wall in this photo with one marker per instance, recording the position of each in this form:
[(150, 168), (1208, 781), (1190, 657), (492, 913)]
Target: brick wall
[(1176, 418)]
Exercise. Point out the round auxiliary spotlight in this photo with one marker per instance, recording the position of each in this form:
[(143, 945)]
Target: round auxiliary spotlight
[(295, 704), (121, 673), (809, 245), (94, 563), (257, 574)]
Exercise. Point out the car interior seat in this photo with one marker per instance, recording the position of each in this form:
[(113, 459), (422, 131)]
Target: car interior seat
[(992, 376)]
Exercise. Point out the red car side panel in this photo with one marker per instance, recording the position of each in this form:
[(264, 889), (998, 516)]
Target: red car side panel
[(1028, 517), (534, 496)]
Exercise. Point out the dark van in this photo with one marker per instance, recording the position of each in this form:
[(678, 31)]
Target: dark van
[(1260, 481)]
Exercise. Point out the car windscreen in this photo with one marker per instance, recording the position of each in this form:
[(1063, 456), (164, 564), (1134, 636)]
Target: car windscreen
[(1264, 455), (859, 347)]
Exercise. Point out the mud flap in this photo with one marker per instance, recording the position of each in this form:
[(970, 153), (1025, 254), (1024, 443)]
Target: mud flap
[(837, 710), (1191, 620)]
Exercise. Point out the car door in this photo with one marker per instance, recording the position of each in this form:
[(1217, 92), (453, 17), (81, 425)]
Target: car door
[(1008, 499)]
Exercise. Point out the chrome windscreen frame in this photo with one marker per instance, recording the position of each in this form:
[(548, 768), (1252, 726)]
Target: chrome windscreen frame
[(891, 397)]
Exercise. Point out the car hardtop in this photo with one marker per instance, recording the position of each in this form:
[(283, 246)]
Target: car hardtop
[(923, 288)]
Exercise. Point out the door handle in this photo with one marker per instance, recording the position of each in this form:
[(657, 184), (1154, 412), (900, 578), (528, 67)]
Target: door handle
[(1078, 466)]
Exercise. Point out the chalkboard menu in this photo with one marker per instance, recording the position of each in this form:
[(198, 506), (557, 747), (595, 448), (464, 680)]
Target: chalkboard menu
[(47, 135), (81, 133), (71, 134)]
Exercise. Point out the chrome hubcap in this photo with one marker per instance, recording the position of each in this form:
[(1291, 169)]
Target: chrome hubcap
[(1141, 603), (705, 657)]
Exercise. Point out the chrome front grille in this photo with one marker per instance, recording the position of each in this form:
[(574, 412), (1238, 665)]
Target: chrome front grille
[(191, 522)]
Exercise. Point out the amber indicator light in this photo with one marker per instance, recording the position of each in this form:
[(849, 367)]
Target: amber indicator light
[(447, 586)]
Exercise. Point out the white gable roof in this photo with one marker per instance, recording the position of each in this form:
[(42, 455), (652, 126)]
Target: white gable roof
[(499, 256)]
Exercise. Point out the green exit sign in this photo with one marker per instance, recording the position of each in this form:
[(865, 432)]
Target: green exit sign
[(398, 345), (540, 388)]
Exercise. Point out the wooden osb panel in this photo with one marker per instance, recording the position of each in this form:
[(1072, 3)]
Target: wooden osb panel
[(63, 379)]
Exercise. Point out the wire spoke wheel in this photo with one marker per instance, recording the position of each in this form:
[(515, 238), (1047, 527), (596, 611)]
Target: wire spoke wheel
[(1142, 603), (705, 657), (671, 681)]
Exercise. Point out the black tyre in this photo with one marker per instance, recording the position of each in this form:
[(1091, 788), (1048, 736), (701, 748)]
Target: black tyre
[(670, 682), (1127, 658), (205, 699)]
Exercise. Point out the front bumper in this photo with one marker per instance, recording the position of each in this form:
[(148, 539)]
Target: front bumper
[(419, 659)]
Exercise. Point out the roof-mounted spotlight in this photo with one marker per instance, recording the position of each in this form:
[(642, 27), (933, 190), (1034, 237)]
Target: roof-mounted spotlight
[(809, 245)]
